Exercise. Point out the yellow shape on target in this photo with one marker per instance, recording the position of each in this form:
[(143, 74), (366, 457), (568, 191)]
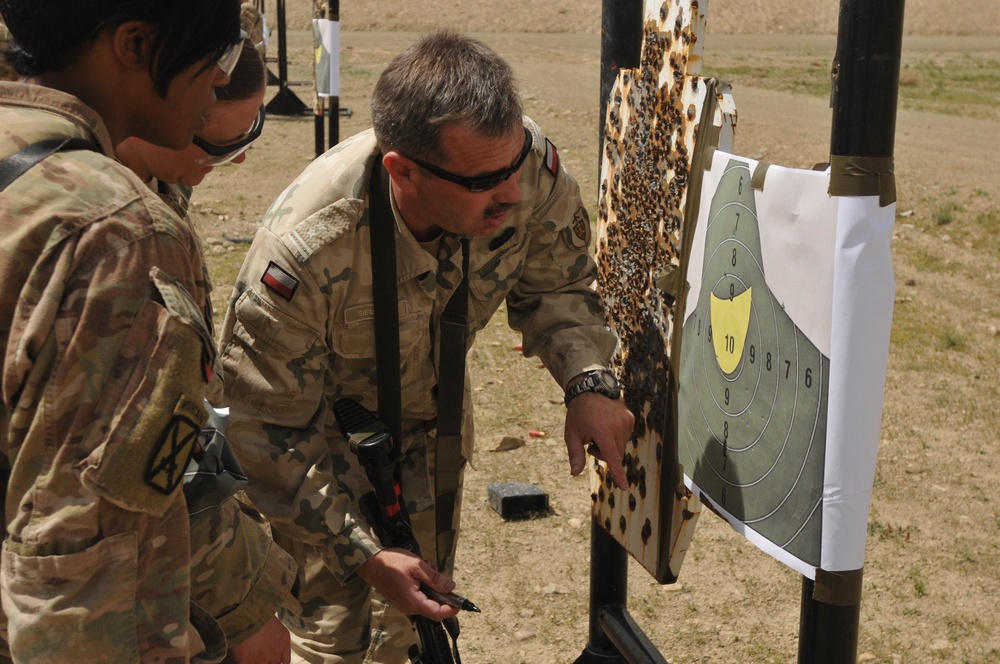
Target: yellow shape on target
[(730, 321)]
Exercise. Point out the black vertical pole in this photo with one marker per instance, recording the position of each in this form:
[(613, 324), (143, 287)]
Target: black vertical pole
[(608, 587), (621, 46), (284, 102), (333, 13), (865, 90), (866, 78), (319, 104), (282, 47)]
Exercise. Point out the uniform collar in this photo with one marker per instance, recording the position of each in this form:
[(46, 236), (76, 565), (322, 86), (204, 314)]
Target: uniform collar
[(62, 104)]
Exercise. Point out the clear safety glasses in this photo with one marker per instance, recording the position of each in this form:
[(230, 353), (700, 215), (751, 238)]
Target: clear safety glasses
[(222, 154), (229, 58)]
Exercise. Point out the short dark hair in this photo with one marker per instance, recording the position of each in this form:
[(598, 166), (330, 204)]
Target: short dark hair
[(48, 33), (249, 75), (442, 80)]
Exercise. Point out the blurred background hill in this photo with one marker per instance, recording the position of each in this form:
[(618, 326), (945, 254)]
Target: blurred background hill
[(807, 17)]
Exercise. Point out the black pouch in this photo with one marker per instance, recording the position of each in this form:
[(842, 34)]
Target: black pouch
[(213, 474)]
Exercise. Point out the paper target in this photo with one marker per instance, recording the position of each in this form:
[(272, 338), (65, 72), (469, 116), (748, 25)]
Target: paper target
[(753, 388)]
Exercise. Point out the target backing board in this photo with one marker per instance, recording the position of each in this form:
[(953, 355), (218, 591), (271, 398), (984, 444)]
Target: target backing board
[(783, 358)]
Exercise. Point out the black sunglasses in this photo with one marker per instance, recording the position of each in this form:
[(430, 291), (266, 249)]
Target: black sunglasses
[(234, 149), (481, 182)]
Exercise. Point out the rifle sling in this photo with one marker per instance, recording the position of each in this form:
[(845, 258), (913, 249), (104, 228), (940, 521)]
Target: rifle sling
[(18, 163), (383, 250), (451, 367)]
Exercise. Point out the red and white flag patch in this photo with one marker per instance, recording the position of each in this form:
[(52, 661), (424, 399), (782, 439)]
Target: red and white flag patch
[(551, 157), (280, 280)]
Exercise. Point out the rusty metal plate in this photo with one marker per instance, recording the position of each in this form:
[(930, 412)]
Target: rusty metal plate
[(660, 117)]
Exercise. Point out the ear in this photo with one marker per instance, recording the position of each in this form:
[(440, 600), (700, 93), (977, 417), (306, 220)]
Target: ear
[(132, 43), (402, 171)]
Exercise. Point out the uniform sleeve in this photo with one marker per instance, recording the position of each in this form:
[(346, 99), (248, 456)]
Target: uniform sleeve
[(275, 359), (553, 304), (238, 574), (101, 526)]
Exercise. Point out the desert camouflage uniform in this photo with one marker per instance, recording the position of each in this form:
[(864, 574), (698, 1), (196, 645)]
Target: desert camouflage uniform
[(7, 73), (286, 359), (105, 345)]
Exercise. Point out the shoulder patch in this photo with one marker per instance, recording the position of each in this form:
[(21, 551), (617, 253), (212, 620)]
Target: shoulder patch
[(551, 157), (280, 280), (172, 452), (322, 227), (577, 234)]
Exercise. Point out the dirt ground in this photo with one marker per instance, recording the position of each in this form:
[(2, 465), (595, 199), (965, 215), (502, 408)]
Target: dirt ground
[(932, 571)]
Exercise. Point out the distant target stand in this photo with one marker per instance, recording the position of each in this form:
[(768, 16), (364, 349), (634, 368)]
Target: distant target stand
[(326, 79)]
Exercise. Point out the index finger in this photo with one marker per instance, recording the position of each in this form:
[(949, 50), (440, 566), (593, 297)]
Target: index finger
[(613, 460)]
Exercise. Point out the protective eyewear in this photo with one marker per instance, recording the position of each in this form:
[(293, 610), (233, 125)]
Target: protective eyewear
[(227, 61), (222, 154), (481, 182)]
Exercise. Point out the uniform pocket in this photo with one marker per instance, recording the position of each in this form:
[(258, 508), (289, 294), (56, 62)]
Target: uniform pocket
[(354, 360), (271, 360), (83, 601), (491, 281), (155, 400)]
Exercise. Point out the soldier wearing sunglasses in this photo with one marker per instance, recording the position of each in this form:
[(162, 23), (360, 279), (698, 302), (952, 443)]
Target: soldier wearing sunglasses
[(464, 168), (107, 352)]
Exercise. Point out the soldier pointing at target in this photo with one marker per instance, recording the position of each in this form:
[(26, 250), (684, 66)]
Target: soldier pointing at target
[(474, 201)]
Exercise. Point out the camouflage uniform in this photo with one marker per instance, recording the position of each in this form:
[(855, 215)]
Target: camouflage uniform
[(289, 353), (252, 21), (7, 73), (105, 347)]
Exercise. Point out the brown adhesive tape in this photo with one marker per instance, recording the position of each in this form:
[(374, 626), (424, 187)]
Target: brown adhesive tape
[(863, 176), (838, 588), (759, 174)]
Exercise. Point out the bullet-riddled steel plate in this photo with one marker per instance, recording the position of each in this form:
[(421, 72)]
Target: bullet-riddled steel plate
[(660, 117)]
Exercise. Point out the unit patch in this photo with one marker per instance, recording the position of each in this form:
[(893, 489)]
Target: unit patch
[(551, 157), (579, 231), (280, 280), (170, 457)]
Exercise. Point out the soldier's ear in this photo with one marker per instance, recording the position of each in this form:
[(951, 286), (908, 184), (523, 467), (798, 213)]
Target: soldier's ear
[(403, 172), (132, 43)]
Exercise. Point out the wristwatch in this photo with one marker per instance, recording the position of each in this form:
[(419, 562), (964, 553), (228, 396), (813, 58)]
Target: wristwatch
[(601, 381)]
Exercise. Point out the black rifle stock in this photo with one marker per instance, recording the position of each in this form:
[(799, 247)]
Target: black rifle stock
[(371, 441)]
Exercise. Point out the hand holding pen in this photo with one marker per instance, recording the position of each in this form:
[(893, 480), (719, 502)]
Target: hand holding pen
[(449, 599)]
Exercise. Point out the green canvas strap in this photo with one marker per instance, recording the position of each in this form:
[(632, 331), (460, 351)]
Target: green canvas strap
[(451, 367)]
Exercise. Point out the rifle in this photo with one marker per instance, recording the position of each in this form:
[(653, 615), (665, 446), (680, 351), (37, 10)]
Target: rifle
[(371, 441)]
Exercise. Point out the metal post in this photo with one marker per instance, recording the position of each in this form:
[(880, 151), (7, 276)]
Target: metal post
[(612, 632), (865, 90), (866, 78), (319, 103), (334, 102), (284, 102), (608, 587), (828, 633), (621, 46)]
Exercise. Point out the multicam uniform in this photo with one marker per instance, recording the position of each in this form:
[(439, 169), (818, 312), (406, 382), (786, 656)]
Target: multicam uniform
[(300, 334), (105, 348), (7, 73)]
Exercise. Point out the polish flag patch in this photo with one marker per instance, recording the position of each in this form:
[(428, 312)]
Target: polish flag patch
[(551, 157), (280, 280)]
